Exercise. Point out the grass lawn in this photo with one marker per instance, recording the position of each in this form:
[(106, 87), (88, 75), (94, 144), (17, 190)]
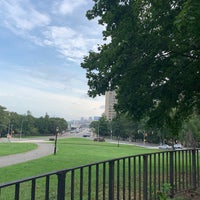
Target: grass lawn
[(8, 148), (71, 152)]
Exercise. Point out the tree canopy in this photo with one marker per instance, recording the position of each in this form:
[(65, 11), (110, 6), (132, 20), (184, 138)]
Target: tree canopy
[(101, 127), (16, 124), (151, 59)]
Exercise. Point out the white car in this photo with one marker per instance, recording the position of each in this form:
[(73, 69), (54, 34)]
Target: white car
[(178, 146), (165, 146)]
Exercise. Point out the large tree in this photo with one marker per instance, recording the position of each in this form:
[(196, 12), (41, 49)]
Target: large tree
[(101, 127), (151, 58)]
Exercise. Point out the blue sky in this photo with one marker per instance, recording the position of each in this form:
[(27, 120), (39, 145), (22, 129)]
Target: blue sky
[(42, 43)]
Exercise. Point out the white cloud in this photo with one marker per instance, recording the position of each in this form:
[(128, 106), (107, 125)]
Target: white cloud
[(68, 42), (68, 6), (22, 18), (44, 78), (22, 15)]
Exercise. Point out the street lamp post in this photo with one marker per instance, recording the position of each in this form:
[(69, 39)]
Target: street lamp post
[(55, 146)]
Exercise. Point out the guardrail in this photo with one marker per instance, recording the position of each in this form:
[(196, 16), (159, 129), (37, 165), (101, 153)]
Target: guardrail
[(138, 177)]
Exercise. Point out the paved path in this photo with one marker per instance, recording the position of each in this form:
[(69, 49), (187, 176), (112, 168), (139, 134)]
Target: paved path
[(43, 149), (139, 144)]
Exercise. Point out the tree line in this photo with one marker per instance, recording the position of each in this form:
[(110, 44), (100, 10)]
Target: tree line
[(24, 125), (125, 128)]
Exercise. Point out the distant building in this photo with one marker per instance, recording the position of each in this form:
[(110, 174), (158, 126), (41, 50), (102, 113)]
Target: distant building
[(96, 118), (110, 101)]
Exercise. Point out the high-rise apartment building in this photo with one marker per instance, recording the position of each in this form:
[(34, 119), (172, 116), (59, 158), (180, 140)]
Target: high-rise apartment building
[(110, 101)]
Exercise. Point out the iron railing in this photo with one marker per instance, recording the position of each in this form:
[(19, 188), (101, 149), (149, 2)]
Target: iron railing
[(138, 177)]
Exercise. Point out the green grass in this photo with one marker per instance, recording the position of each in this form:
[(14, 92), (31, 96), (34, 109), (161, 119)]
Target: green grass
[(9, 148), (71, 152)]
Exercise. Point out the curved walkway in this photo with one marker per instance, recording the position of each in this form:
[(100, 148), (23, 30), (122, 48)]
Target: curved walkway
[(43, 149)]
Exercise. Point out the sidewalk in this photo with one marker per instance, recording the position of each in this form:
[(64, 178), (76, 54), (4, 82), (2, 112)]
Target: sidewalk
[(43, 149), (139, 144)]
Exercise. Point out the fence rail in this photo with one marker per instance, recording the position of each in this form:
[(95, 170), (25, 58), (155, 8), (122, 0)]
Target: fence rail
[(138, 177)]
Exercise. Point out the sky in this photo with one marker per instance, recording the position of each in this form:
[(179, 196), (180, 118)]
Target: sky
[(42, 43)]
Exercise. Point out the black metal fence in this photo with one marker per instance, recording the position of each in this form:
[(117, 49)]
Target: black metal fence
[(139, 177)]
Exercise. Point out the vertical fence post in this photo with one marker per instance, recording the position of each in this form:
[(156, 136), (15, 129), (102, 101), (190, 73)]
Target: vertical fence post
[(17, 186), (194, 171), (47, 188), (33, 189), (171, 168), (145, 177), (61, 185), (111, 180)]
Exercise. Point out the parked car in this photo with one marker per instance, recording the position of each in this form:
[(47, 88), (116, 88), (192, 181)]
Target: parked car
[(86, 135), (165, 146), (178, 146)]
